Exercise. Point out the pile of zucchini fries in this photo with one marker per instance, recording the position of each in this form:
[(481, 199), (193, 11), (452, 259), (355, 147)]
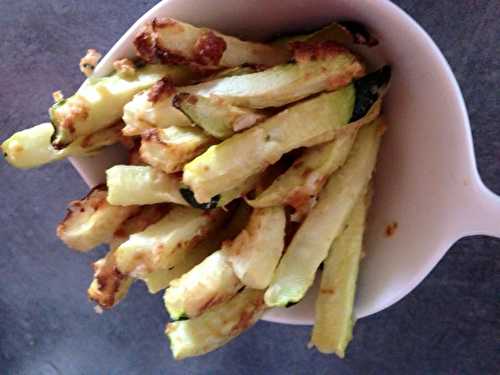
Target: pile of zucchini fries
[(250, 167)]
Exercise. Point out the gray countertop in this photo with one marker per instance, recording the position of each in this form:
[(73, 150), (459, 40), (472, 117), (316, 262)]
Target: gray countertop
[(448, 325)]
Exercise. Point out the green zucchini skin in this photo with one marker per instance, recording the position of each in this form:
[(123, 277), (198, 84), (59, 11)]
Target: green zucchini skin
[(368, 90), (188, 196)]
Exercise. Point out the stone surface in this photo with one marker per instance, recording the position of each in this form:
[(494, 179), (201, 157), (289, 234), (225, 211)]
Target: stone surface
[(448, 325)]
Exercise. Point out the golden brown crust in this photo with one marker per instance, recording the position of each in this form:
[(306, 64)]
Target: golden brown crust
[(107, 282), (75, 109), (145, 44), (97, 194), (208, 49), (161, 89), (305, 52)]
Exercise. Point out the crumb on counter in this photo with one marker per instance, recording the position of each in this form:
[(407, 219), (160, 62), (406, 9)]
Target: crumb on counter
[(391, 228), (98, 309), (89, 62), (58, 96)]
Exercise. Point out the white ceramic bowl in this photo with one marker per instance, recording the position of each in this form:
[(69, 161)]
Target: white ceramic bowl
[(426, 180)]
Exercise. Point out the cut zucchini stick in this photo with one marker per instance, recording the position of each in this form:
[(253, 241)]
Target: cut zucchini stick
[(310, 245), (92, 221), (160, 245), (139, 185), (147, 215), (109, 286), (319, 67), (141, 114), (171, 148), (161, 279), (300, 185), (333, 321), (215, 116), (216, 327), (99, 101), (177, 42), (208, 284), (227, 164), (256, 251), (32, 147)]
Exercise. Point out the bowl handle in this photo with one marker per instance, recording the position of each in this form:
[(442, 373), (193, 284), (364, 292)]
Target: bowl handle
[(482, 213)]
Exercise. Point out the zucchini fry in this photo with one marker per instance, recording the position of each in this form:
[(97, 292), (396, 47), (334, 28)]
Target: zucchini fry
[(159, 280), (216, 327), (171, 148), (256, 251), (92, 221), (333, 321), (99, 101), (227, 164), (32, 147), (139, 185), (317, 67), (160, 245), (208, 284), (146, 111), (109, 286), (310, 245), (217, 118), (176, 42), (300, 185)]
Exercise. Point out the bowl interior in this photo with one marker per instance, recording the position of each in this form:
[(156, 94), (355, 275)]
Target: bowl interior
[(426, 163)]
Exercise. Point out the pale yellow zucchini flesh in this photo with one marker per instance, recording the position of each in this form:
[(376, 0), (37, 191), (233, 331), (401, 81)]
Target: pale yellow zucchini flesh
[(92, 221), (32, 147), (310, 245), (208, 284), (334, 319), (171, 148), (161, 279), (216, 327), (99, 102), (318, 68), (224, 166), (160, 244), (173, 41), (256, 251), (141, 114), (140, 185), (216, 117), (300, 185)]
